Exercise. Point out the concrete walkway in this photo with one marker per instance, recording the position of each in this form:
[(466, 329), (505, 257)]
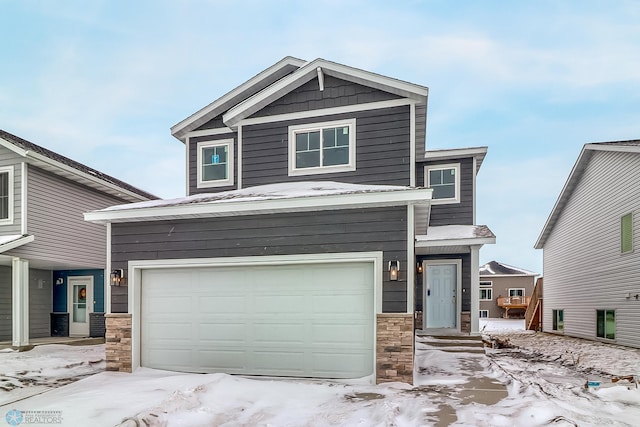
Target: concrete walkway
[(55, 340), (454, 368)]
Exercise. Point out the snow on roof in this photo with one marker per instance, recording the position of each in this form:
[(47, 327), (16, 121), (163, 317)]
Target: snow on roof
[(450, 232), (13, 241), (266, 192), (499, 268)]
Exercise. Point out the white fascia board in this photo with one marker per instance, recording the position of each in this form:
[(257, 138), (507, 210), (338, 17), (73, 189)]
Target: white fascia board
[(489, 276), (563, 198), (208, 132), (89, 177), (180, 129), (611, 147), (477, 153), (16, 243), (309, 72), (261, 207), (456, 242)]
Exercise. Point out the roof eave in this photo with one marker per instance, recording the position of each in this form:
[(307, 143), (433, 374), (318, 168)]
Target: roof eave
[(472, 241), (415, 196)]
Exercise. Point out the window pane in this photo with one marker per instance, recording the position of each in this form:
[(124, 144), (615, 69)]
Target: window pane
[(444, 191), (4, 195), (308, 159), (610, 324), (335, 156), (314, 140), (329, 137), (207, 155), (600, 323), (214, 172), (343, 136), (220, 155), (627, 233), (435, 178), (449, 176), (302, 141)]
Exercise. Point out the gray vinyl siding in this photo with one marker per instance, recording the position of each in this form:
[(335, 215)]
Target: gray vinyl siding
[(5, 304), (466, 279), (583, 268), (421, 132), (452, 213), (192, 153), (55, 217), (356, 230), (336, 93), (40, 302), (382, 150), (9, 158)]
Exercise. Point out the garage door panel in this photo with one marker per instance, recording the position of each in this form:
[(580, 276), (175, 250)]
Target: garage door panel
[(312, 320)]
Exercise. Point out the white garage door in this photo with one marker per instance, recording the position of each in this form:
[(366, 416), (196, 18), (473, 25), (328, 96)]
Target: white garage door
[(303, 320)]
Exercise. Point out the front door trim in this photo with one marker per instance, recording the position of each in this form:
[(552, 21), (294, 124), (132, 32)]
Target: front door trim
[(79, 329), (458, 264)]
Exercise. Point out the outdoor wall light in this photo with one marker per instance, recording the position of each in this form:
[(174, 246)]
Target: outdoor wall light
[(419, 268), (394, 268), (117, 277)]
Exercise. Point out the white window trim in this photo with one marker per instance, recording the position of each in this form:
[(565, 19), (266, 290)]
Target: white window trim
[(9, 219), (427, 184), (483, 311), (351, 166), (524, 292), (230, 162), (490, 294)]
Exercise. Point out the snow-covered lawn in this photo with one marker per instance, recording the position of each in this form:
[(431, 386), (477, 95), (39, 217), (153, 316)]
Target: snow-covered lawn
[(544, 378)]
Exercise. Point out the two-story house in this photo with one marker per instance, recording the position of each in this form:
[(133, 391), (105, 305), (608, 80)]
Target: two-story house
[(313, 215), (52, 280), (591, 265), (505, 290)]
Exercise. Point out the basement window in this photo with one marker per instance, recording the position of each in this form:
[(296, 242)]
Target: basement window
[(606, 324), (558, 320)]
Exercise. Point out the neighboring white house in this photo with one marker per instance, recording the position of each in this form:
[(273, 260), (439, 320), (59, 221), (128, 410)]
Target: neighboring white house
[(591, 248)]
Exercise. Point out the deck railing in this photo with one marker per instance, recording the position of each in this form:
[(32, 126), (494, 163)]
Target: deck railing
[(512, 302)]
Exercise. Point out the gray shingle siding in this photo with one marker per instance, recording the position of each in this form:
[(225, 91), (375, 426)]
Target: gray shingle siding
[(336, 93), (452, 213), (354, 230), (382, 149)]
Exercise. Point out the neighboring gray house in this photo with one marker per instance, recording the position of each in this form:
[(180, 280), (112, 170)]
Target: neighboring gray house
[(590, 248), (301, 247), (505, 291), (52, 261)]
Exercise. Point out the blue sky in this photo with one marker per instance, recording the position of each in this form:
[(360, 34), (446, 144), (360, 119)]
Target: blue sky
[(103, 81)]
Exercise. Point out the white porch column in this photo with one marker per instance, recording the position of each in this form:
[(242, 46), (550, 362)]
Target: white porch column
[(20, 302), (475, 289), (107, 274)]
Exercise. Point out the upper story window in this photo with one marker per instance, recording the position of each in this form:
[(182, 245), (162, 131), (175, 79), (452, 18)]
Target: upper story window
[(322, 148), (444, 180), (626, 233), (215, 163), (6, 195)]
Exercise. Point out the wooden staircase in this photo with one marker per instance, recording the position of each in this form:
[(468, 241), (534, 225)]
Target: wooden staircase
[(533, 315)]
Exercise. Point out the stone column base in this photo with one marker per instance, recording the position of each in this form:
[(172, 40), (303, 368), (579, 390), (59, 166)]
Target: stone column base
[(394, 349), (118, 342)]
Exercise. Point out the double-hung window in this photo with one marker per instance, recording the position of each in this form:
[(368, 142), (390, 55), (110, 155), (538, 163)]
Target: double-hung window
[(6, 195), (215, 163), (322, 148), (444, 180), (486, 294)]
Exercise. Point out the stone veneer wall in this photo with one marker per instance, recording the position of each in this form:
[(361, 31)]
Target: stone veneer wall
[(394, 354), (465, 322), (118, 342)]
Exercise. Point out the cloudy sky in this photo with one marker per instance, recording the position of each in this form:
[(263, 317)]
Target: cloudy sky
[(103, 81)]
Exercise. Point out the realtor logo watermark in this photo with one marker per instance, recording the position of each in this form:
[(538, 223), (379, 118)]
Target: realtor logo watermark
[(17, 418)]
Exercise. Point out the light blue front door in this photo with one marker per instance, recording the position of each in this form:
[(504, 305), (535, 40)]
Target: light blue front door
[(440, 296)]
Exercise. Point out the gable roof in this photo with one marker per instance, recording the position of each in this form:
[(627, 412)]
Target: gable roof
[(630, 146), (280, 79), (70, 169), (478, 153), (258, 82), (495, 268)]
